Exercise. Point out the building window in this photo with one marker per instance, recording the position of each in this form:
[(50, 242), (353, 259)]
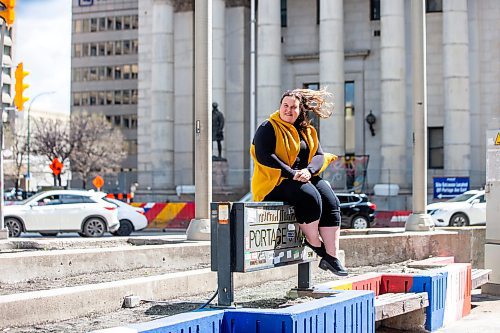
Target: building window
[(375, 10), (433, 6), (349, 118), (118, 47), (436, 150), (78, 26), (118, 23), (135, 71), (134, 24), (85, 25), (118, 72), (93, 25), (102, 24), (109, 97), (283, 14)]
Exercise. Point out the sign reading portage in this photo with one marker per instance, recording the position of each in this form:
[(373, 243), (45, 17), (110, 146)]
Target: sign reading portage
[(272, 238), (263, 235)]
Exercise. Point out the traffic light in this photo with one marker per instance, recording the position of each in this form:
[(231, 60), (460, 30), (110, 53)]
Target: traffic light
[(19, 99), (7, 11)]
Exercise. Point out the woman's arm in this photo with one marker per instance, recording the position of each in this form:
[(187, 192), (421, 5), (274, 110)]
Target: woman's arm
[(265, 144), (317, 161)]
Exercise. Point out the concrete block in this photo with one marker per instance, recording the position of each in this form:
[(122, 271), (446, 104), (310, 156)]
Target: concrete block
[(131, 301)]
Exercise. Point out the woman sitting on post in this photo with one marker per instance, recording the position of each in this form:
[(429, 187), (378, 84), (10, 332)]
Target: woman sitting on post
[(287, 162)]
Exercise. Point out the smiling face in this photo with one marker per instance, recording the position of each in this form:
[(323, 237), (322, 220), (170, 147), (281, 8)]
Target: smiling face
[(289, 109)]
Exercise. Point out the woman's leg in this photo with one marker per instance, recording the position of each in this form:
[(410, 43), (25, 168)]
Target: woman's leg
[(329, 227), (310, 230), (307, 203)]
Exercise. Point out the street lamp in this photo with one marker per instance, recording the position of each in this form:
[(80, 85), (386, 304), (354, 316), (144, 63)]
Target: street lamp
[(28, 175)]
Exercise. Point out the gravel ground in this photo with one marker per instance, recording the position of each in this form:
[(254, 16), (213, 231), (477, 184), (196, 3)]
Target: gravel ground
[(268, 295)]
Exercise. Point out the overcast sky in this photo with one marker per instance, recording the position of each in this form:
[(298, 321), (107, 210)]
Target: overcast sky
[(43, 44)]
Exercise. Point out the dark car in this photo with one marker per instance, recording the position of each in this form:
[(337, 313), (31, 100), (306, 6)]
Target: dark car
[(357, 211)]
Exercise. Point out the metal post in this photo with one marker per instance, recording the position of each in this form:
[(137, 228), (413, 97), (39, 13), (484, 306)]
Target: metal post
[(304, 276), (28, 140), (419, 220), (224, 273), (4, 233), (199, 227), (252, 77)]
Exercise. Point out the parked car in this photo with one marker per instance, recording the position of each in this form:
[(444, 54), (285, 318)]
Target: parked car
[(468, 208), (53, 212), (131, 218), (356, 210)]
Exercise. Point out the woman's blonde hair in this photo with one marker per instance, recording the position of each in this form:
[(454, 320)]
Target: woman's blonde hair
[(315, 101)]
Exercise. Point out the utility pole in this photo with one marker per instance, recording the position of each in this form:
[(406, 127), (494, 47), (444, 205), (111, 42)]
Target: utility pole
[(4, 233), (199, 227), (419, 220)]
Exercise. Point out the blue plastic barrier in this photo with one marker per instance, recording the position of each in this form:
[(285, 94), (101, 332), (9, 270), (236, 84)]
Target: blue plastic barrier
[(345, 312), (434, 283), (189, 322)]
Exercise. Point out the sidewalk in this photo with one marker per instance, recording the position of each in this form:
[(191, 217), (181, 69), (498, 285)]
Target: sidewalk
[(484, 317)]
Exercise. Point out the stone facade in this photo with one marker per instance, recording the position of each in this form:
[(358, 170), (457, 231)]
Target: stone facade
[(374, 56)]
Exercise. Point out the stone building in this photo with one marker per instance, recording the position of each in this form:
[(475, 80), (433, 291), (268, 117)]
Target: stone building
[(104, 72), (359, 49)]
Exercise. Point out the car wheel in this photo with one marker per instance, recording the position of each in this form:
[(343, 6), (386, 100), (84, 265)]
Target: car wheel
[(94, 227), (359, 222), (49, 234), (459, 220), (125, 229), (14, 225)]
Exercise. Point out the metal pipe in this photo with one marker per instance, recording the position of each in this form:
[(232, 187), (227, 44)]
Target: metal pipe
[(419, 220), (203, 98), (4, 233), (252, 76)]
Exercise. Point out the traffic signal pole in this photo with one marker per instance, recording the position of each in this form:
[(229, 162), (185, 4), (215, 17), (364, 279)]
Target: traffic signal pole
[(4, 233)]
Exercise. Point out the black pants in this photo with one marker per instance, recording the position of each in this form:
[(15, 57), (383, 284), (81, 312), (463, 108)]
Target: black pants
[(312, 201)]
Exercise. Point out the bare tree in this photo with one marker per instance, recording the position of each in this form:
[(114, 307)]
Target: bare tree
[(19, 152), (90, 142), (98, 145), (52, 139)]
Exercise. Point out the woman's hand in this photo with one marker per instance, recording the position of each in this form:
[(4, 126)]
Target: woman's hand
[(302, 176)]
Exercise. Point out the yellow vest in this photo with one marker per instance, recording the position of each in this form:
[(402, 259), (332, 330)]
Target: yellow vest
[(264, 178)]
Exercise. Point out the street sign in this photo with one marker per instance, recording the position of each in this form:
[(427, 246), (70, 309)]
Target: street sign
[(56, 166), (265, 235), (450, 187), (98, 182)]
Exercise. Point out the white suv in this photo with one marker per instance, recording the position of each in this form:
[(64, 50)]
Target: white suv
[(468, 208), (52, 212)]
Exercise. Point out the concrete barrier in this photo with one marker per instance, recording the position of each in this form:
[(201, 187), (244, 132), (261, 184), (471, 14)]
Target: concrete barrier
[(62, 263)]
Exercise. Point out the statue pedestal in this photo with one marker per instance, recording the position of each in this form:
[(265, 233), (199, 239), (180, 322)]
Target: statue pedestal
[(220, 168)]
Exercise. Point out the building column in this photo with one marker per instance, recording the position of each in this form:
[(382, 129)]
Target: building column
[(268, 58), (162, 96), (184, 93), (393, 92), (219, 60), (331, 72), (456, 88), (237, 112)]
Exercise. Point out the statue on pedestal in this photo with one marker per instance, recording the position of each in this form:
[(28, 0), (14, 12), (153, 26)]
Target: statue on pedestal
[(217, 130)]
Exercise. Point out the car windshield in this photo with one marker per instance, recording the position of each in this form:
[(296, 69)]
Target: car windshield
[(462, 197)]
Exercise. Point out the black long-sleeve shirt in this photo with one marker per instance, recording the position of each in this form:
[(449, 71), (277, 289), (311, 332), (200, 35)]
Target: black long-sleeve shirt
[(265, 146)]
